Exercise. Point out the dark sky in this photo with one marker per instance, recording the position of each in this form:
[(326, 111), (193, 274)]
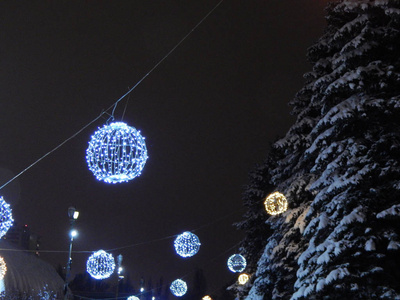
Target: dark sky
[(209, 113)]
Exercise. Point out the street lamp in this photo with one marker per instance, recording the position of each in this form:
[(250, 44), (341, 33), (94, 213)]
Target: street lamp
[(73, 215)]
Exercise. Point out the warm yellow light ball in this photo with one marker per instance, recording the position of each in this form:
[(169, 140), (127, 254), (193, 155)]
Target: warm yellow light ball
[(206, 298), (243, 278), (3, 268), (276, 203)]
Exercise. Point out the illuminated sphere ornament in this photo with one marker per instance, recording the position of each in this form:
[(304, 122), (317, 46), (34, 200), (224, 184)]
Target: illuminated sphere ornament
[(206, 298), (6, 219), (236, 263), (100, 265), (116, 153), (133, 298), (187, 244), (3, 268), (276, 203), (178, 288), (243, 278)]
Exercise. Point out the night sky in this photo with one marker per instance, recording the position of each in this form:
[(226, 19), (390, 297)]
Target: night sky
[(209, 113)]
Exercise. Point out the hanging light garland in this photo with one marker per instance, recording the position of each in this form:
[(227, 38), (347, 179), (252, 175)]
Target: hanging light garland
[(178, 288), (116, 153), (187, 244), (100, 265), (276, 203), (3, 268), (236, 263), (6, 219), (243, 278)]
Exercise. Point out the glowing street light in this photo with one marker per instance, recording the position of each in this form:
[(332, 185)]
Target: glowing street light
[(73, 215)]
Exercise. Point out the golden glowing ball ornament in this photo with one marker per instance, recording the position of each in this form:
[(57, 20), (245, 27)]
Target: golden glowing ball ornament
[(276, 203), (206, 298), (3, 268), (243, 278)]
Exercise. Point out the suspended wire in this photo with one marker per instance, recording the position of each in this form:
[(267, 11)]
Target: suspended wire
[(126, 105), (127, 246), (114, 105)]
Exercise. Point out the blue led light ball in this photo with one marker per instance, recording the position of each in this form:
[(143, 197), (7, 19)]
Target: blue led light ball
[(187, 244), (236, 263), (178, 288), (6, 219), (116, 153), (100, 265)]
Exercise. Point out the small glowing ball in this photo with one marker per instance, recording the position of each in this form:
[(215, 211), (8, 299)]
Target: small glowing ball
[(187, 244), (243, 278), (206, 298), (276, 203), (6, 219), (178, 288), (100, 265), (116, 153), (3, 268), (133, 298), (236, 263)]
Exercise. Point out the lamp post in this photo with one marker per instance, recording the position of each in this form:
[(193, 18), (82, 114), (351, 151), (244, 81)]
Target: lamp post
[(73, 215), (120, 276)]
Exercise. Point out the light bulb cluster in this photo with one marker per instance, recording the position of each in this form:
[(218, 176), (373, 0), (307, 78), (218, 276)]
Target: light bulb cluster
[(236, 263), (243, 278), (100, 265), (3, 268), (6, 219), (116, 153), (178, 288), (187, 244), (276, 203)]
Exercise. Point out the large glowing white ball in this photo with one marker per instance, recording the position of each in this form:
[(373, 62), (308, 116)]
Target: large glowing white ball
[(178, 288), (6, 219), (100, 265), (236, 263), (132, 298), (276, 203), (116, 153), (187, 244)]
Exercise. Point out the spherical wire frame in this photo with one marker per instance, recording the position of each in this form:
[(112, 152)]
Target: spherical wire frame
[(187, 244), (178, 287), (6, 219), (100, 265), (116, 153)]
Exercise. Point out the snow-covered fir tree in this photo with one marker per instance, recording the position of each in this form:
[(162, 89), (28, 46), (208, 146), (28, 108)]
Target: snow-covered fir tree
[(339, 166)]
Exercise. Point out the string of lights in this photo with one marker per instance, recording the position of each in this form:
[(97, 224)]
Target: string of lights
[(116, 102)]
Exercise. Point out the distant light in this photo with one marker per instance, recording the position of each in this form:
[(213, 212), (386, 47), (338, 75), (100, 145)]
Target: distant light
[(236, 263), (120, 269), (153, 298), (3, 268), (100, 265), (178, 288), (243, 278), (6, 219), (74, 233), (76, 215), (142, 289), (187, 244), (116, 153), (276, 203)]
